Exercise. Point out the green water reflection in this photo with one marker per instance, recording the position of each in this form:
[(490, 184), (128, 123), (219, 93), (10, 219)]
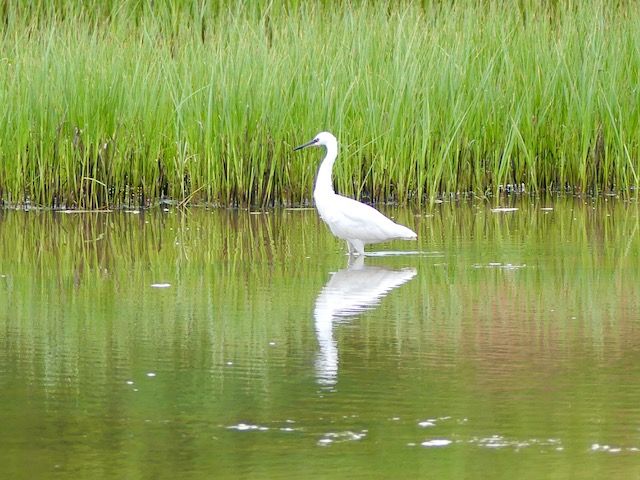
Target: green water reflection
[(201, 344)]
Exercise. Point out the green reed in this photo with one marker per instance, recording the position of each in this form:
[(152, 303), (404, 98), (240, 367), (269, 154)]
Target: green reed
[(118, 103)]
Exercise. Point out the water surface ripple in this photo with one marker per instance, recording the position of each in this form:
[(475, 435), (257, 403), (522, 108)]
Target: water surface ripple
[(212, 343)]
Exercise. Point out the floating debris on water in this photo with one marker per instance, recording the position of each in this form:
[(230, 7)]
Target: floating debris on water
[(436, 442), (596, 447), (427, 423), (151, 374), (337, 437), (503, 209), (160, 285), (502, 266), (244, 427), (498, 441), (69, 211)]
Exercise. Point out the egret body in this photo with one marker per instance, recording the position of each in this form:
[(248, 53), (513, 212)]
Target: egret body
[(348, 219)]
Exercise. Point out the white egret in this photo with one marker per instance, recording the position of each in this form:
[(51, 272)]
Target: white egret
[(348, 219)]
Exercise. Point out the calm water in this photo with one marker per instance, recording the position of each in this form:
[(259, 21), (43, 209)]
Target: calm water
[(225, 344)]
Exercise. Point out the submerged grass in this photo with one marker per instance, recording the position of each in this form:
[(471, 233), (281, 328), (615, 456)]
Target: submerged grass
[(112, 103)]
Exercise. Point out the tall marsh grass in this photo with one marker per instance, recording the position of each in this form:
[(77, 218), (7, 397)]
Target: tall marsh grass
[(112, 103)]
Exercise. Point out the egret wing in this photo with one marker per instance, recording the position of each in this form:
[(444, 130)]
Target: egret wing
[(357, 220)]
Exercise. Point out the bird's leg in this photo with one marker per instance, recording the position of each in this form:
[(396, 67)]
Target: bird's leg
[(358, 246), (349, 248)]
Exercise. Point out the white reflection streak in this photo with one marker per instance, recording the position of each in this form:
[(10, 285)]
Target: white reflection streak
[(349, 292)]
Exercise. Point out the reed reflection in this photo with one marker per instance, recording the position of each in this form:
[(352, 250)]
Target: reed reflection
[(349, 292)]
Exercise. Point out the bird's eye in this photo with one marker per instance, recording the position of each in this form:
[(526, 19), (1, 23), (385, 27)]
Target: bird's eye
[(316, 140)]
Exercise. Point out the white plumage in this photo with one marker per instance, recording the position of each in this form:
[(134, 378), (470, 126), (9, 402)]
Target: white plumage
[(348, 219), (348, 293)]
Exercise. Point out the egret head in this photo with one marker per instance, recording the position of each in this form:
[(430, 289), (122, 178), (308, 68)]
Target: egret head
[(321, 139)]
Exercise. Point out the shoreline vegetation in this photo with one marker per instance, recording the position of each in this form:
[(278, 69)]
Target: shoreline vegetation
[(134, 102)]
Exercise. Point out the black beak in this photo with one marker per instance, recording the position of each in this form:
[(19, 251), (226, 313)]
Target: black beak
[(308, 144)]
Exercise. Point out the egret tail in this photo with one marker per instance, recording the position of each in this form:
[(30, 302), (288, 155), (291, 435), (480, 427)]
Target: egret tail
[(406, 233)]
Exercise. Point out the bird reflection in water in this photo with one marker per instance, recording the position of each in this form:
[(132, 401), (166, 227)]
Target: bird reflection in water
[(349, 292)]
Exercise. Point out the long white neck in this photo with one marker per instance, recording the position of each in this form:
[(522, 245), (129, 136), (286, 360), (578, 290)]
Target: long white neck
[(324, 183)]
